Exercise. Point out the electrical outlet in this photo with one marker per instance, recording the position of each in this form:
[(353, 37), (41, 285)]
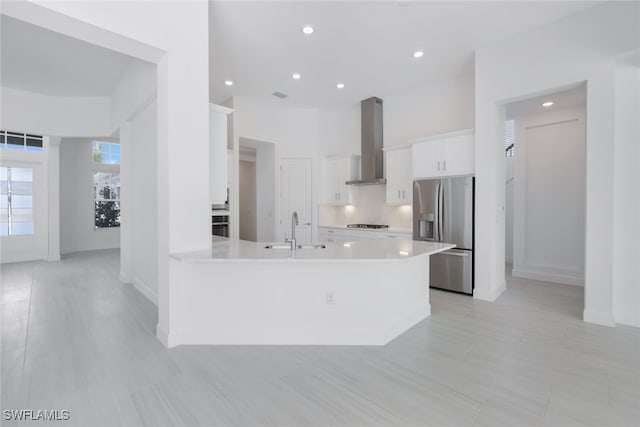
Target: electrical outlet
[(329, 298)]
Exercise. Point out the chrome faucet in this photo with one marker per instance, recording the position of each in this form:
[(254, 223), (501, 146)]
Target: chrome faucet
[(294, 222)]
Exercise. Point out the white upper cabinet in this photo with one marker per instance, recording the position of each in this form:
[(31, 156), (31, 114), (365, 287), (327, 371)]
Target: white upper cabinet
[(398, 173), (444, 155), (218, 153), (339, 171)]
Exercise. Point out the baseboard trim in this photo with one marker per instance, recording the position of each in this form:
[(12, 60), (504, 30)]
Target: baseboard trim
[(629, 319), (546, 276), (405, 324), (163, 337), (599, 318), (490, 294), (53, 257), (200, 335), (124, 278), (145, 290)]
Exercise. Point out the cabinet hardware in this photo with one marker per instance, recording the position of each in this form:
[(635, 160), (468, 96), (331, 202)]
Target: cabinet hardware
[(403, 194), (398, 194), (438, 164), (444, 165)]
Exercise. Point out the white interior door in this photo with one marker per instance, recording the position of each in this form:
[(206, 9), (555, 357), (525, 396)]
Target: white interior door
[(295, 195)]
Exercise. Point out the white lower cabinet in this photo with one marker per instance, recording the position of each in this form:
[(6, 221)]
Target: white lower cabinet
[(334, 235)]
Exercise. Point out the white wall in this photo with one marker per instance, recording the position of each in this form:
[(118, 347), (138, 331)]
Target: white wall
[(247, 202), (135, 89), (77, 209), (147, 30), (145, 202), (549, 196), (438, 107), (626, 213), (566, 52), (49, 115), (508, 251)]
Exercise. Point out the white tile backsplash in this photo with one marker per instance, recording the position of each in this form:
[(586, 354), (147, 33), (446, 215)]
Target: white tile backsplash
[(369, 207)]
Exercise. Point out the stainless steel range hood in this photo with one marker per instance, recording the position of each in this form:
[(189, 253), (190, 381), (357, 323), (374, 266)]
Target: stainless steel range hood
[(371, 156)]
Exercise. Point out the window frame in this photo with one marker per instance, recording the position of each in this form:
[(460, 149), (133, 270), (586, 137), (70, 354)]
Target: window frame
[(4, 145), (35, 204), (110, 145), (509, 148), (102, 167)]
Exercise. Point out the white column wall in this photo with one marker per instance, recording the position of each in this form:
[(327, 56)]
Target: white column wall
[(626, 213), (176, 38), (575, 49), (53, 183), (127, 188)]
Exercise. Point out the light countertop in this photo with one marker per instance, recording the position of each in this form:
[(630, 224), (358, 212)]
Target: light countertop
[(230, 250)]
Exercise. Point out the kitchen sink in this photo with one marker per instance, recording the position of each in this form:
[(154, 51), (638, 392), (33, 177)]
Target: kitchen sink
[(288, 246), (312, 246), (278, 246)]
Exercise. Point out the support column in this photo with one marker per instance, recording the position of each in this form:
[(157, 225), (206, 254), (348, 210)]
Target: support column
[(126, 202), (53, 189)]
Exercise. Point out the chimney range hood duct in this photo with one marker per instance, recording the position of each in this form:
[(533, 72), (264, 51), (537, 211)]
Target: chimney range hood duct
[(371, 156)]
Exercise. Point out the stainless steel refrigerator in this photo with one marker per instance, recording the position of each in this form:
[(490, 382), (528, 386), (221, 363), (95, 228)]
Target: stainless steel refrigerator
[(443, 212)]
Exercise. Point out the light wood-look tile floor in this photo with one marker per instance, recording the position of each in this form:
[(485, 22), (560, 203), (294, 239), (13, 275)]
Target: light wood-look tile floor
[(74, 337)]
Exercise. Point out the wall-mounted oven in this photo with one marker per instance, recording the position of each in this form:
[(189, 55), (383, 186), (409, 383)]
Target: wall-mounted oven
[(220, 225)]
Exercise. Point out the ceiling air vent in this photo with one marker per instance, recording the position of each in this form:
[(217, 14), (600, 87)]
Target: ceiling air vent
[(280, 95)]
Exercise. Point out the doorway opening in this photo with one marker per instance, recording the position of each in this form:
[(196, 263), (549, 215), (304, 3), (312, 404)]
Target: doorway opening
[(545, 198), (256, 188)]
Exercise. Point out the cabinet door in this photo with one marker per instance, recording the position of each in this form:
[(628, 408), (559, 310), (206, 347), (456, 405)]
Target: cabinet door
[(458, 155), (333, 169), (406, 177), (426, 159), (398, 173), (343, 175)]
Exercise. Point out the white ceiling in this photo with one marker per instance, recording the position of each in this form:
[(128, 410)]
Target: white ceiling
[(562, 99), (366, 45), (38, 60)]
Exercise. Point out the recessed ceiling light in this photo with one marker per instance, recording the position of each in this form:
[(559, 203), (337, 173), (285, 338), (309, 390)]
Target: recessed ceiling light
[(307, 29), (548, 104), (418, 54), (340, 85), (296, 76), (228, 82)]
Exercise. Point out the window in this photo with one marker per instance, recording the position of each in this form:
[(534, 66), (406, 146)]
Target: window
[(16, 201), (106, 187), (20, 141), (106, 184), (106, 152), (509, 138)]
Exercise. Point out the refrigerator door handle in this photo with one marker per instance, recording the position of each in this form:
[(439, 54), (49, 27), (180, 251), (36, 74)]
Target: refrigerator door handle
[(461, 254), (436, 225), (441, 212)]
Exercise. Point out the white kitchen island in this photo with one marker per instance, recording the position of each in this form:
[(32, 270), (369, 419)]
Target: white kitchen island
[(239, 292)]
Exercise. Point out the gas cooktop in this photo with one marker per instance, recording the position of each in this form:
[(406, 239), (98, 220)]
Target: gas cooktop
[(376, 226)]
